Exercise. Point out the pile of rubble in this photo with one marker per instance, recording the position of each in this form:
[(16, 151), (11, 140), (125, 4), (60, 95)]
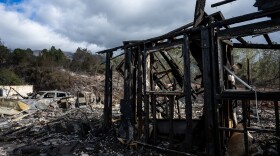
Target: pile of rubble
[(76, 131), (95, 84)]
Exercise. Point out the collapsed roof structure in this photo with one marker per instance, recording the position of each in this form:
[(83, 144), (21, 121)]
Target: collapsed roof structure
[(154, 82)]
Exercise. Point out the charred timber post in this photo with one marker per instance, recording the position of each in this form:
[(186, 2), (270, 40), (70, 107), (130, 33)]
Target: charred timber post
[(134, 84), (245, 130), (199, 12), (139, 92), (276, 107), (208, 99), (187, 93), (153, 97), (126, 107), (171, 114), (108, 93), (146, 96), (215, 87), (248, 82)]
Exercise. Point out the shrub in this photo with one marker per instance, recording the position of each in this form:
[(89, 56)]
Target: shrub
[(9, 77)]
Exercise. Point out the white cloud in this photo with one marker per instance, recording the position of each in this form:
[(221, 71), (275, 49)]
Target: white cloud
[(68, 24), (17, 31)]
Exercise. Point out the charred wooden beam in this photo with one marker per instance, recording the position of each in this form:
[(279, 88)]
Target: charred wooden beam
[(164, 93), (245, 130), (139, 92), (257, 46), (268, 40), (110, 50), (199, 12), (250, 29), (163, 72), (187, 94), (165, 44), (119, 68), (276, 108), (175, 69), (221, 3), (241, 40), (171, 115), (181, 28), (215, 87), (246, 17), (133, 85), (108, 93), (126, 105), (146, 97), (264, 4), (258, 130), (249, 95), (153, 97), (208, 99)]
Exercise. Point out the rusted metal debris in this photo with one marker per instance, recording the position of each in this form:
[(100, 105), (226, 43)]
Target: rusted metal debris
[(159, 95)]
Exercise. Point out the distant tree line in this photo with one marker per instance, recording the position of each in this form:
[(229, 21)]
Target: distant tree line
[(43, 70)]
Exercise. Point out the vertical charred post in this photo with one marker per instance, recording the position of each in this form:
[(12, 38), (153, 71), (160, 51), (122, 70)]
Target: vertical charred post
[(139, 91), (208, 98), (108, 92), (187, 93)]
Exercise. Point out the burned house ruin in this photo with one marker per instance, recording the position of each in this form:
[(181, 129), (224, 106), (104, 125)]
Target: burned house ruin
[(158, 93)]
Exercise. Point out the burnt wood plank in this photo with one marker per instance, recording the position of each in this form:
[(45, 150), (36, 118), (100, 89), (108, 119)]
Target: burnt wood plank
[(250, 29)]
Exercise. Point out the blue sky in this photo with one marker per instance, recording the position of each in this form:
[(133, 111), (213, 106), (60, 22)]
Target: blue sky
[(100, 24), (10, 1)]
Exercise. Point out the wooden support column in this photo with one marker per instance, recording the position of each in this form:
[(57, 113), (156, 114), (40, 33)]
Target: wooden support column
[(187, 93), (139, 92), (199, 12), (171, 115), (153, 97), (245, 131), (108, 93), (126, 105), (208, 97), (276, 107), (215, 89), (248, 82), (134, 84), (146, 97)]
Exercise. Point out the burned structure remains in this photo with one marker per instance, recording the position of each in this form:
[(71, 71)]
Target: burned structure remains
[(158, 93)]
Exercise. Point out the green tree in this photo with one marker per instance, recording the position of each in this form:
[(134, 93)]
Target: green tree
[(9, 77), (4, 53), (22, 57), (264, 65), (84, 61), (52, 58)]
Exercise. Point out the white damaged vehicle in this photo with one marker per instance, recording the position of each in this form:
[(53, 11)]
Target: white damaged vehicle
[(45, 99)]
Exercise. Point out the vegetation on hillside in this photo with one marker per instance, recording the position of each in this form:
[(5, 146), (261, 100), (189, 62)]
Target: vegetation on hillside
[(21, 66)]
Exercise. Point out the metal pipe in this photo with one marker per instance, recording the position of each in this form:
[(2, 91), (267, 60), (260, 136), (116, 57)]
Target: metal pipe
[(240, 80)]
